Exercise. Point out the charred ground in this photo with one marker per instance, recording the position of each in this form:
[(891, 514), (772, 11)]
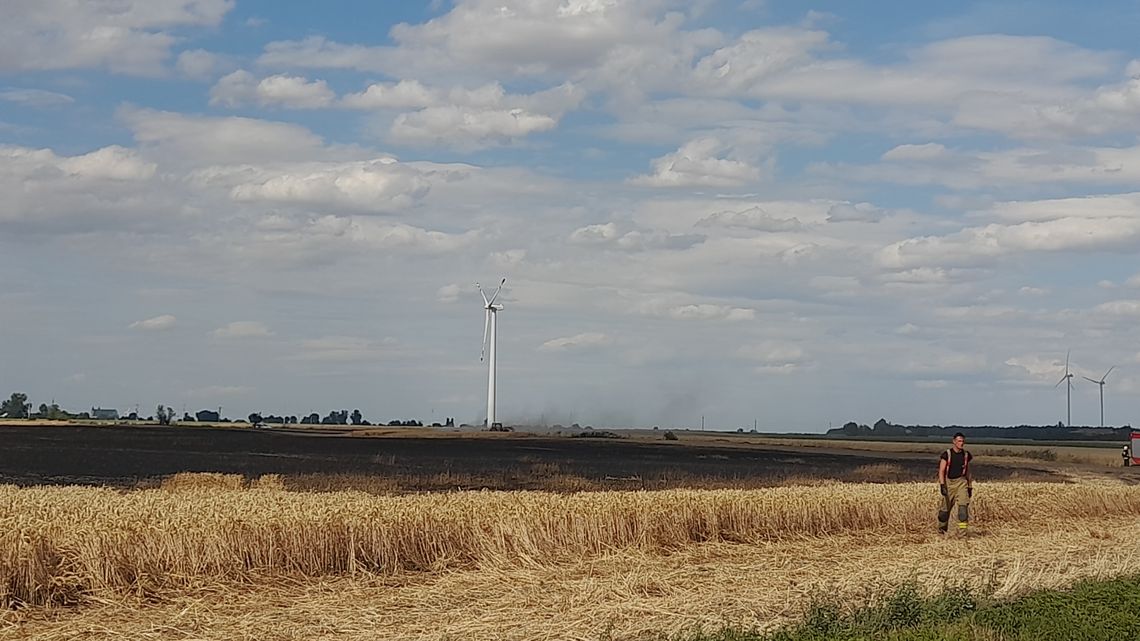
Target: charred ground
[(139, 455)]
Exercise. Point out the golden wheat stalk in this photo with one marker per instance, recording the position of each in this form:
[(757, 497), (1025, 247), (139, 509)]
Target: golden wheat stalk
[(58, 544)]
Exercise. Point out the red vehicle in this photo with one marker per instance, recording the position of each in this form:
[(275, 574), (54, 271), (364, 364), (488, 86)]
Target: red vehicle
[(1132, 452)]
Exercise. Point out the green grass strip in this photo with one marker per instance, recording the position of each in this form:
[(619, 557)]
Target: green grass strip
[(1090, 611)]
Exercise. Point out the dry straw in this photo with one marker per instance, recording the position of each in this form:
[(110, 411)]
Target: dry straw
[(59, 545)]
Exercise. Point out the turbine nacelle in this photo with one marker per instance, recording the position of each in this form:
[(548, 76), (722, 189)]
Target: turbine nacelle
[(1102, 380), (489, 303)]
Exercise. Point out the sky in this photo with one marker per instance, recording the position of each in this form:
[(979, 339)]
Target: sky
[(755, 212)]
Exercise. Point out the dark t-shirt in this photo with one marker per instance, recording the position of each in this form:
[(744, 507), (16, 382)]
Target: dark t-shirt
[(958, 461)]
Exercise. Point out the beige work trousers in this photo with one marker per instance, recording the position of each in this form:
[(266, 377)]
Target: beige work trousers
[(957, 500)]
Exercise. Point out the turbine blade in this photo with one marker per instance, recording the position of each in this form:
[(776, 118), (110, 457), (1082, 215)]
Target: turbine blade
[(492, 301), (1063, 379), (1102, 378), (486, 332), (480, 288), (1067, 360), (1091, 380)]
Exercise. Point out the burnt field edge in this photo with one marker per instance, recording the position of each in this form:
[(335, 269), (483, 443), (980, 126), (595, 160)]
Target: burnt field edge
[(136, 455)]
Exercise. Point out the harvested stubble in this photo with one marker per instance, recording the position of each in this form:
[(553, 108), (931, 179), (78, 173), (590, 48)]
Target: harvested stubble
[(58, 545)]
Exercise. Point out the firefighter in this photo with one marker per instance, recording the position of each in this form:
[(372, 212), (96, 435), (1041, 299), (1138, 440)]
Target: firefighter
[(955, 484), (1126, 456)]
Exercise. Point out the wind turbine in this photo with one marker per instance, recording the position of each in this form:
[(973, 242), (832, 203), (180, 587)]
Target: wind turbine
[(1101, 384), (489, 333), (1068, 377)]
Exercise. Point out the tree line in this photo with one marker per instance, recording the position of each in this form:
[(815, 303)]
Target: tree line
[(1059, 432), (17, 406)]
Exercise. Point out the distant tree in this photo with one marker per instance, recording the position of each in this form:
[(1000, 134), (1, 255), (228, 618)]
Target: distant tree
[(670, 436), (164, 414), (255, 418), (17, 406), (336, 418), (43, 411), (186, 418), (357, 418)]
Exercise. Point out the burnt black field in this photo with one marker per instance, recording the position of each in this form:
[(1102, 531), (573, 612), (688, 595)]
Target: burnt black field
[(138, 456)]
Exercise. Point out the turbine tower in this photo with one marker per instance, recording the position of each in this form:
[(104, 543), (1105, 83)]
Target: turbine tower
[(489, 334), (1101, 384), (1067, 378)]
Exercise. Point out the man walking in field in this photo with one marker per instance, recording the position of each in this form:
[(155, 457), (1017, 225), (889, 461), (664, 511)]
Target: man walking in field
[(955, 484)]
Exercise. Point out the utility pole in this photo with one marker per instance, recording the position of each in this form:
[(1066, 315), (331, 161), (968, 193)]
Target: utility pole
[(702, 422)]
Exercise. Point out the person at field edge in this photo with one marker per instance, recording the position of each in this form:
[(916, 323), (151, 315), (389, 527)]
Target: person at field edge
[(956, 484)]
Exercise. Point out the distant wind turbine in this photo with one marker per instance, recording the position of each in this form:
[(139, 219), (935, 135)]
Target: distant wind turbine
[(1068, 377), (1100, 383), (489, 334)]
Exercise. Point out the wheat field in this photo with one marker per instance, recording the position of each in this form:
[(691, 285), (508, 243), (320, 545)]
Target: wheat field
[(71, 545)]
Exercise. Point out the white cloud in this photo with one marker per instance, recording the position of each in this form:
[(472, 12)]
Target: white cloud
[(199, 64), (696, 164), (706, 311), (927, 151), (1003, 168), (35, 97), (773, 353), (405, 94), (525, 37), (198, 140), (448, 293), (111, 163), (381, 184), (367, 233), (609, 235), (130, 36), (242, 329), (595, 234), (753, 218), (1129, 308), (754, 57), (344, 349), (508, 259), (294, 92), (158, 323), (578, 342), (858, 212), (1038, 368), (981, 245), (43, 188), (932, 384), (468, 128)]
